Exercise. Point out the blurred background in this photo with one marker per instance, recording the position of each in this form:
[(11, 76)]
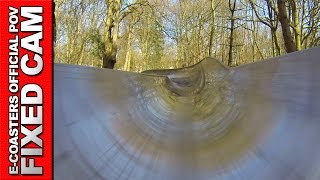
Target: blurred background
[(137, 35)]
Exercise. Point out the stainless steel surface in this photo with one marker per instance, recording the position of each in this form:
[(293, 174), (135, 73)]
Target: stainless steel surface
[(257, 121)]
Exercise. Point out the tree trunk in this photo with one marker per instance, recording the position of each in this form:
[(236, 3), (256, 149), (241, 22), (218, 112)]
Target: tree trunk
[(212, 27), (108, 62), (111, 33), (286, 33), (232, 19), (276, 43), (127, 64), (296, 24), (254, 35)]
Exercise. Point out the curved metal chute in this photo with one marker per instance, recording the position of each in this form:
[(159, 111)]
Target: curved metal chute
[(256, 121)]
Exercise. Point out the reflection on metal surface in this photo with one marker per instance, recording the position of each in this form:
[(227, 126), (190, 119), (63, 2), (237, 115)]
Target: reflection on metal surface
[(257, 121)]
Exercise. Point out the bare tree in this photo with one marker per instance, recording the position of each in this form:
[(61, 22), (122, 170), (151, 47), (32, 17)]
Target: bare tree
[(296, 24), (213, 14), (285, 25), (270, 20), (111, 33), (179, 33), (232, 9)]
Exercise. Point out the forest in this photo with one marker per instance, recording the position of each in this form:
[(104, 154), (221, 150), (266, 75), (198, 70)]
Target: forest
[(138, 35)]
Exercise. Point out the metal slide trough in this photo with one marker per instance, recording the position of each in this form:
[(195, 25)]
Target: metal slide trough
[(254, 122)]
